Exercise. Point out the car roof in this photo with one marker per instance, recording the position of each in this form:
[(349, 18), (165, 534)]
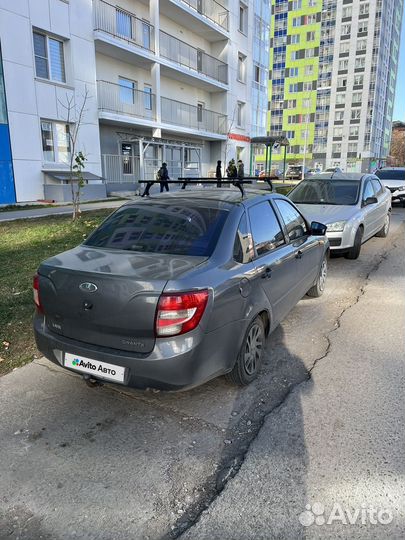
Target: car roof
[(355, 177), (217, 197)]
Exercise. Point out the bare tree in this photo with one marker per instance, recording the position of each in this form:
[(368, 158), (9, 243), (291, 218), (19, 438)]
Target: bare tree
[(75, 119), (397, 152)]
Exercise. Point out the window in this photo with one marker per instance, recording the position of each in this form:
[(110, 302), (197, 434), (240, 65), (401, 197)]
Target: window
[(336, 148), (200, 111), (340, 98), (310, 19), (363, 27), (309, 53), (337, 132), (243, 247), (339, 115), (309, 70), (55, 141), (293, 88), (346, 29), (344, 47), (311, 36), (123, 23), (146, 34), (257, 73), (294, 222), (347, 12), (361, 45), (243, 14), (296, 21), (356, 114), (266, 230), (377, 186), (241, 67), (239, 114), (295, 39), (49, 58), (354, 131), (296, 4), (312, 3), (147, 91), (294, 72), (193, 230), (291, 103), (352, 147), (368, 190), (357, 97), (343, 64), (364, 9), (358, 79), (290, 134), (127, 90), (307, 86), (127, 161), (360, 62), (342, 82), (306, 103)]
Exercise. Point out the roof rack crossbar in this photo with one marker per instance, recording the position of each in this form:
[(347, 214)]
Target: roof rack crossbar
[(185, 181)]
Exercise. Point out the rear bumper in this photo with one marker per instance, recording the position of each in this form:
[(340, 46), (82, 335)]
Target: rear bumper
[(174, 364)]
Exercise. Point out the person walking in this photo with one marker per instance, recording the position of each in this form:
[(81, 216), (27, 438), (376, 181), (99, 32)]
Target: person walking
[(218, 173), (241, 170), (231, 170), (164, 177)]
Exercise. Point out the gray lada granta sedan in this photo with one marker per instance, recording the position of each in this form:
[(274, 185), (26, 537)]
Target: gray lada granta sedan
[(175, 290)]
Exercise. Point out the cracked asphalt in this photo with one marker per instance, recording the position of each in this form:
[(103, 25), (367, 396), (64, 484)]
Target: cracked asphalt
[(322, 424)]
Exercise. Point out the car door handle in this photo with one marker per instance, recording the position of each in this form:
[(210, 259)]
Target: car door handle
[(298, 254), (266, 273)]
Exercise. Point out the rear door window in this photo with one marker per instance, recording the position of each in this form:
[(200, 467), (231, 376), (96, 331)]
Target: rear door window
[(294, 222), (242, 247), (161, 228), (266, 230)]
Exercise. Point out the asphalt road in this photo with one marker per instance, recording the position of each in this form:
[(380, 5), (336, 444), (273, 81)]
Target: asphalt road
[(323, 423)]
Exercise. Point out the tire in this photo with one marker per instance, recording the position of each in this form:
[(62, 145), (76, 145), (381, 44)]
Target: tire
[(247, 366), (317, 290), (383, 232), (354, 252)]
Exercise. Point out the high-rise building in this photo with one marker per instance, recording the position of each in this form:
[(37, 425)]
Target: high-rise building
[(181, 81), (332, 82)]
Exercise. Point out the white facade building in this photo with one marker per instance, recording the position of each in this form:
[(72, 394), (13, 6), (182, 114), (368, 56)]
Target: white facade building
[(179, 81)]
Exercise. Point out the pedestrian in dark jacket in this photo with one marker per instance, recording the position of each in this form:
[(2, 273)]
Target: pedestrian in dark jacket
[(231, 170), (164, 177), (241, 170), (218, 173)]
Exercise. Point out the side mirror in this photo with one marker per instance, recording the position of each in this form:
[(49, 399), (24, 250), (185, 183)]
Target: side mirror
[(317, 229), (370, 200)]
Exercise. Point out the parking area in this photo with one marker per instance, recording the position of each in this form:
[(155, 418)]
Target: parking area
[(111, 462)]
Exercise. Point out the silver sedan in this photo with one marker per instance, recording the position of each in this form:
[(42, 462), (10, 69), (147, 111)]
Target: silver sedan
[(353, 206)]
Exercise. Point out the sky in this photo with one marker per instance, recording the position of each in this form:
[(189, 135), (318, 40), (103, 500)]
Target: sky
[(399, 107)]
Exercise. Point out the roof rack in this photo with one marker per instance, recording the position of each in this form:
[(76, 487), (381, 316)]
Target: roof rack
[(195, 181)]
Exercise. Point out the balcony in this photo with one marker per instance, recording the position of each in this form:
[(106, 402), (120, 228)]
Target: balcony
[(207, 18), (193, 118), (208, 69), (124, 105), (117, 103), (114, 26)]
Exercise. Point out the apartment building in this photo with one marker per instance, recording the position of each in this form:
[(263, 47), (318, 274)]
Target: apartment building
[(332, 82), (181, 81)]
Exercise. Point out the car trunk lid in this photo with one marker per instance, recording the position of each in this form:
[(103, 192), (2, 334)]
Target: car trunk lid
[(108, 297)]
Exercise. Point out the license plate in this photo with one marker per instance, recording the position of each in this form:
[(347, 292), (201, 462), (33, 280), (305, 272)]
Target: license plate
[(96, 368)]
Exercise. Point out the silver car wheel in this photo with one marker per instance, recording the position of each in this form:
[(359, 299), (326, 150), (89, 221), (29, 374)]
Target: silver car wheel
[(323, 274), (253, 349)]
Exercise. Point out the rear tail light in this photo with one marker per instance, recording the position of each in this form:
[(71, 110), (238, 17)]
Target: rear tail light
[(35, 288), (179, 313)]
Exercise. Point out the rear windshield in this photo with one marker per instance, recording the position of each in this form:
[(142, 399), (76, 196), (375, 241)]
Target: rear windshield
[(391, 175), (339, 192), (160, 228)]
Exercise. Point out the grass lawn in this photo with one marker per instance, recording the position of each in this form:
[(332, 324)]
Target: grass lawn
[(24, 244)]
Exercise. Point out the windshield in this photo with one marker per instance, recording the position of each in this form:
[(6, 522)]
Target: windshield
[(161, 228), (337, 192), (391, 174)]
